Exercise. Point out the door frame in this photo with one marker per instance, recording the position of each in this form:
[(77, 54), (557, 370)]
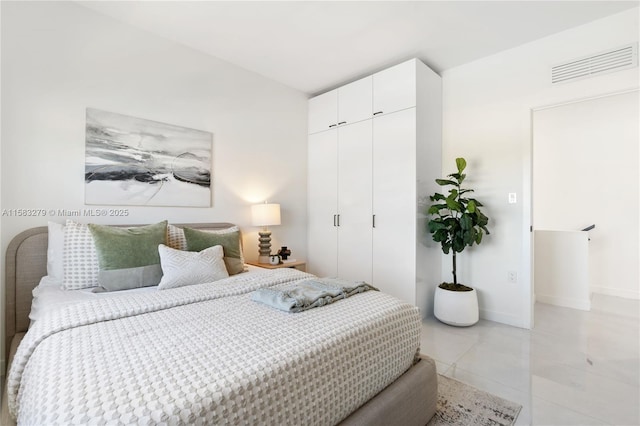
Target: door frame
[(527, 245)]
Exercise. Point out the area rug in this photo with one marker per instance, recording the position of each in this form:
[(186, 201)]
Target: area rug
[(460, 404)]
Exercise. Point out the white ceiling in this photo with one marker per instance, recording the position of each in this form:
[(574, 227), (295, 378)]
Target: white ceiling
[(316, 46)]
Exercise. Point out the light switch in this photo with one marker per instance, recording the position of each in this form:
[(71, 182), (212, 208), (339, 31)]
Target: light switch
[(512, 198)]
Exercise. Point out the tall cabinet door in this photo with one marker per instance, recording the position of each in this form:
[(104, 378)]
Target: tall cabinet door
[(394, 204), (354, 201), (322, 183)]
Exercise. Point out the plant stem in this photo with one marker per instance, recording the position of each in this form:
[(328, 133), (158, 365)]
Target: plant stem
[(455, 277), (457, 215)]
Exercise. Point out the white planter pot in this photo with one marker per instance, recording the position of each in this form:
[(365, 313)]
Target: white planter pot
[(459, 308)]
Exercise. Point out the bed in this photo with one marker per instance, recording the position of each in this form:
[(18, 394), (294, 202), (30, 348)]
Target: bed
[(208, 354)]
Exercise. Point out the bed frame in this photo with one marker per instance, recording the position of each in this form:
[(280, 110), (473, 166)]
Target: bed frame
[(410, 400)]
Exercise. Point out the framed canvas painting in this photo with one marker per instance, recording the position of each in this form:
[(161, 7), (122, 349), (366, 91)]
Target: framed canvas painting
[(136, 162)]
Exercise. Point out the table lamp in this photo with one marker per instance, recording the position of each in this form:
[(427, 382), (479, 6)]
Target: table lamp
[(265, 215)]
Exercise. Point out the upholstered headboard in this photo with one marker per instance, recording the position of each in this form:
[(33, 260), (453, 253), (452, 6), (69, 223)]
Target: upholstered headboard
[(26, 264)]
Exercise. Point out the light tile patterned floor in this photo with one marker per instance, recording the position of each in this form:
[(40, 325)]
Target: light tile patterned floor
[(573, 368)]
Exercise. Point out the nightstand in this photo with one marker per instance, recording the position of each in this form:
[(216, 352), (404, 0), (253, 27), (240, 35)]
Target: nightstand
[(300, 265)]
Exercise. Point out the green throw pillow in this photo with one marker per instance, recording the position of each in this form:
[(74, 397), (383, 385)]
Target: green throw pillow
[(128, 257), (230, 242)]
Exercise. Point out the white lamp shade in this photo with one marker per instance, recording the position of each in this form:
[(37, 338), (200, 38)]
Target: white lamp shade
[(265, 214)]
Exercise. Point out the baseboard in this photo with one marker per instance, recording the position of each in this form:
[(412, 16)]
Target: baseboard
[(583, 305), (617, 292), (502, 318)]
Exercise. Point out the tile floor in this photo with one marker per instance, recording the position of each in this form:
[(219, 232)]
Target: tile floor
[(573, 368)]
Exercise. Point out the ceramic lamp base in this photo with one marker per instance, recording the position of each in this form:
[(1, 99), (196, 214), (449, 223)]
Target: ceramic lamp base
[(264, 244)]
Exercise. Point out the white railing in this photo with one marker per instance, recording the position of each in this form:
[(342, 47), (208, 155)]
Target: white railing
[(561, 268)]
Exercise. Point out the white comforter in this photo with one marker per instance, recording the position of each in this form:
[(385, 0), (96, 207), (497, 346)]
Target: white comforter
[(207, 354)]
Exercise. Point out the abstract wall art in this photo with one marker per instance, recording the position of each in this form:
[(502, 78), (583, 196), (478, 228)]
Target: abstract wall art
[(135, 162)]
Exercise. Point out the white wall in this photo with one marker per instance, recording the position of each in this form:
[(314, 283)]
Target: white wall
[(586, 171), (58, 58), (487, 119)]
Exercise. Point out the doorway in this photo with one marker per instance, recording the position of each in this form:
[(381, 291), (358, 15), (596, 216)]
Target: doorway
[(585, 171)]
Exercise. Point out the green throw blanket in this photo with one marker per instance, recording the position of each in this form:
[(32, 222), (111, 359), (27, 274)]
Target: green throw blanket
[(309, 293)]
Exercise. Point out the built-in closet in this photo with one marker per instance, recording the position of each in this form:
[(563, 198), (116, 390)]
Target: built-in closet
[(374, 153)]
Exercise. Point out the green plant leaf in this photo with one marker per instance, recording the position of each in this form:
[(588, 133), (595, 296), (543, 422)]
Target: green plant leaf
[(470, 237), (435, 225), (466, 222), (437, 197), (446, 247), (461, 164), (434, 209), (458, 245), (440, 235), (452, 223), (481, 218), (444, 182), (471, 206), (453, 204)]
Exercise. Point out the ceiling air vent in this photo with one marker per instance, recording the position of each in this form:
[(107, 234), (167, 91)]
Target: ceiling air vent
[(592, 65)]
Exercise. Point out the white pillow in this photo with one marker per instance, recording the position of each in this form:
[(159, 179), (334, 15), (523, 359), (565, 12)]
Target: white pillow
[(79, 257), (55, 269), (181, 268), (177, 240)]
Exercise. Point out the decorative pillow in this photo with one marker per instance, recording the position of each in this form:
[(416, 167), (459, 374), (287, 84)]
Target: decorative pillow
[(128, 257), (175, 238), (182, 268), (79, 257), (230, 242), (55, 268)]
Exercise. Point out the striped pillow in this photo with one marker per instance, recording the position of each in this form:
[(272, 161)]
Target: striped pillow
[(79, 257)]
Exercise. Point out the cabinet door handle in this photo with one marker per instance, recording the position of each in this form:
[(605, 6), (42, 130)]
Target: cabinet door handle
[(334, 219), (338, 220), (341, 123), (332, 125), (374, 220), (376, 113)]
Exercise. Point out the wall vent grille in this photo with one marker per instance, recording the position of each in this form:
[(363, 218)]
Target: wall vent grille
[(602, 63)]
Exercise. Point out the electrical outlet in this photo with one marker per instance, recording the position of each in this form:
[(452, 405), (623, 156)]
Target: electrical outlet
[(513, 198), (512, 277)]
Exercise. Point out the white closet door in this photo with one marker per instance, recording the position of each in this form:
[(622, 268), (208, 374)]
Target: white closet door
[(394, 89), (354, 201), (355, 101), (394, 204), (323, 205), (323, 111)]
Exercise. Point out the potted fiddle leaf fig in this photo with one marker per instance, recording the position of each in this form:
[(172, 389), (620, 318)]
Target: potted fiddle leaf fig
[(456, 222)]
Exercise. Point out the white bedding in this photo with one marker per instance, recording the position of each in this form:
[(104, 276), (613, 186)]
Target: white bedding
[(207, 354), (49, 295)]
